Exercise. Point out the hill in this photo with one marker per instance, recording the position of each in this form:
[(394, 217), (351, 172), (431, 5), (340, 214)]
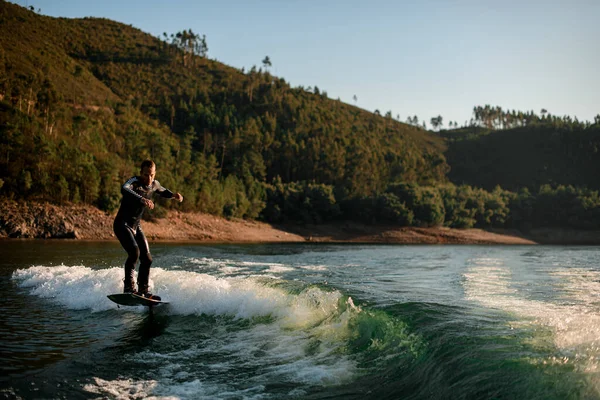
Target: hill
[(542, 153), (84, 101)]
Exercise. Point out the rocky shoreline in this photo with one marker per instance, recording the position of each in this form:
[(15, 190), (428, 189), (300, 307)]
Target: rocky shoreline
[(32, 220)]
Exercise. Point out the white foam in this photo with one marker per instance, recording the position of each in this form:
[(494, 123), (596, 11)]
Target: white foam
[(231, 267), (575, 324), (294, 349), (579, 284), (279, 269), (127, 389), (314, 267), (302, 342), (266, 264), (209, 264), (571, 324), (80, 287), (121, 389), (279, 351), (75, 287)]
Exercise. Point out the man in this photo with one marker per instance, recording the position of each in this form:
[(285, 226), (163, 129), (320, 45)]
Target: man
[(137, 195)]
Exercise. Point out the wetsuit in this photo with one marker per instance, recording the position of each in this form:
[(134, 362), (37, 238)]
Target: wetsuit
[(129, 232)]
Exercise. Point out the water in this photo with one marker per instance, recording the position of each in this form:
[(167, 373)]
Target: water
[(306, 321)]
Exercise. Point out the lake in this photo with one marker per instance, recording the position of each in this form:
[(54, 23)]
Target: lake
[(307, 321)]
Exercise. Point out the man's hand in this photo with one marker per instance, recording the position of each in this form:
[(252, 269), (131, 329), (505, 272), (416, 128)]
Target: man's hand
[(148, 203), (178, 197)]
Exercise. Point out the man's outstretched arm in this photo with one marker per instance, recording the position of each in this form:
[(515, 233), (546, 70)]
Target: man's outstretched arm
[(166, 193)]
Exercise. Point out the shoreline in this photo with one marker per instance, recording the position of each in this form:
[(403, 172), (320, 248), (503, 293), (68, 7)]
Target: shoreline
[(32, 220)]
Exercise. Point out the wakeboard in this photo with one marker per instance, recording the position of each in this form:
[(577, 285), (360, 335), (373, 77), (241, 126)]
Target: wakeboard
[(131, 299)]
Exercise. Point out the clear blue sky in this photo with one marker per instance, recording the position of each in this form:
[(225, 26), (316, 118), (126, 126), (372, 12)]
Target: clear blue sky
[(413, 57)]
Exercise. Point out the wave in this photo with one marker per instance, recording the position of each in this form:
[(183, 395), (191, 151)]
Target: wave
[(80, 287), (282, 331), (292, 305)]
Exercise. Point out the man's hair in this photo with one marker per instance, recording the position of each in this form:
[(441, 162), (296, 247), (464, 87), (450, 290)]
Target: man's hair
[(147, 163)]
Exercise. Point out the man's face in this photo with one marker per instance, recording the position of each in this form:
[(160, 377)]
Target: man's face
[(147, 175)]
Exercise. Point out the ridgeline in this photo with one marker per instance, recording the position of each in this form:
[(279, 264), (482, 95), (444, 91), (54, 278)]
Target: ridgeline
[(84, 101)]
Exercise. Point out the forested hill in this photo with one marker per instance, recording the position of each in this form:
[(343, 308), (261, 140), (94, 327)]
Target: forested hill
[(517, 150), (84, 101)]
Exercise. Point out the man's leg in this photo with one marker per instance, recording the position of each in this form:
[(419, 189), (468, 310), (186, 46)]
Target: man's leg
[(145, 261), (127, 240)]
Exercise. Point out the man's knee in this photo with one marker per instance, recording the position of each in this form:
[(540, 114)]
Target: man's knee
[(146, 259), (133, 255)]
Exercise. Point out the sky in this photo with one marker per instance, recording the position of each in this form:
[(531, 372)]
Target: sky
[(410, 57)]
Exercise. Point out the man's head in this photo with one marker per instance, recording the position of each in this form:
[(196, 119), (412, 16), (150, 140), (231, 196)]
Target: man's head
[(147, 172)]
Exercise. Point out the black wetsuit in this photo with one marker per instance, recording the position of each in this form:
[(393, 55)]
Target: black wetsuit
[(129, 232)]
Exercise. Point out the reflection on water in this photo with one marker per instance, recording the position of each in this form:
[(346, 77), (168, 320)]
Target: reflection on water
[(143, 331)]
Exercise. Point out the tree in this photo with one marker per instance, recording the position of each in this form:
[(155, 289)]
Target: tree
[(25, 181), (412, 120), (437, 122), (191, 44), (267, 62), (201, 46)]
